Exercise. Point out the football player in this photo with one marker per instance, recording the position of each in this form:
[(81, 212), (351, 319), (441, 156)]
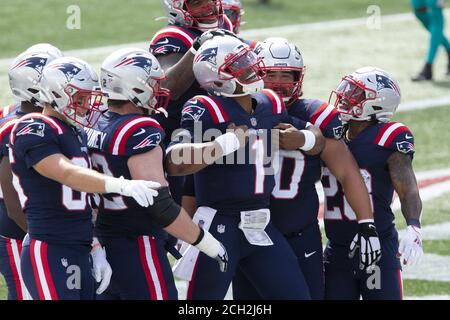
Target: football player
[(233, 195), (24, 73), (430, 14), (174, 46), (366, 100), (294, 203), (49, 161), (234, 11), (126, 142)]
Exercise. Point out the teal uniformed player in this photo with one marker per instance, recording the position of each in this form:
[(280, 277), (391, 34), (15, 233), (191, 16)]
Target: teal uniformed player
[(430, 14)]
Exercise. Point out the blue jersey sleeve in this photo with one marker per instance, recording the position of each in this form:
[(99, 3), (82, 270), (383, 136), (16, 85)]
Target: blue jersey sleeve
[(198, 115), (397, 137), (135, 136), (326, 117), (34, 139), (171, 39)]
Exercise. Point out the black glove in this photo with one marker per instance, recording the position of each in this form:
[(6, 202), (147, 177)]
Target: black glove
[(368, 243), (207, 35)]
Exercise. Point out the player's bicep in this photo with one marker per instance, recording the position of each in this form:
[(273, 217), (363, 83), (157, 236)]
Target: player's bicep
[(148, 166), (338, 166), (402, 174)]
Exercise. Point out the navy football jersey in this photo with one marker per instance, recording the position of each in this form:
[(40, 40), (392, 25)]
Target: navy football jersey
[(295, 203), (55, 213), (177, 39), (113, 140), (371, 150), (232, 186), (8, 228)]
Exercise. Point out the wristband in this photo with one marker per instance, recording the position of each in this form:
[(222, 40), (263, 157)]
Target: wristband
[(310, 140)]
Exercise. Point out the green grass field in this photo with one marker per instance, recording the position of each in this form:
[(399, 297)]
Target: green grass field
[(329, 53)]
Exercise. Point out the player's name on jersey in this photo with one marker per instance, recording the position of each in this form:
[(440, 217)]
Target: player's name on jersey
[(95, 138)]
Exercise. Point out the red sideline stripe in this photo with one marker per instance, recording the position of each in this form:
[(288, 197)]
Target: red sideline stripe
[(277, 102), (217, 112), (318, 112), (190, 290), (14, 267), (173, 34), (155, 258), (148, 277)]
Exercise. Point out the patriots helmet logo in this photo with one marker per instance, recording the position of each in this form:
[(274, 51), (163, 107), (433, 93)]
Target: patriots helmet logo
[(209, 55), (192, 112), (405, 147), (34, 128), (384, 82), (138, 61), (68, 69), (37, 63), (152, 140)]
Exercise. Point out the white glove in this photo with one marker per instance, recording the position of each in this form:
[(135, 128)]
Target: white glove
[(214, 249), (410, 247), (102, 271), (140, 190)]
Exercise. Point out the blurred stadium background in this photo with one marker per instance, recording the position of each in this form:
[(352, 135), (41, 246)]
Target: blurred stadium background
[(334, 38)]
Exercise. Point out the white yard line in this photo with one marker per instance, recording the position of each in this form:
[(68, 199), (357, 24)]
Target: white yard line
[(432, 267), (440, 231)]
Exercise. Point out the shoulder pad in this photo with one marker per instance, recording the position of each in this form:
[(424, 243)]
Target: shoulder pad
[(171, 39), (136, 135), (395, 136)]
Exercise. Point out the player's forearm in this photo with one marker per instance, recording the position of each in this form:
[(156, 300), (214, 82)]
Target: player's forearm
[(411, 207), (189, 158), (183, 228), (357, 196), (180, 76)]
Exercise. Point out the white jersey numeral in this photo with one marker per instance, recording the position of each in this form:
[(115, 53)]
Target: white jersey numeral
[(258, 146), (69, 198), (332, 190), (297, 173), (99, 163), (16, 182)]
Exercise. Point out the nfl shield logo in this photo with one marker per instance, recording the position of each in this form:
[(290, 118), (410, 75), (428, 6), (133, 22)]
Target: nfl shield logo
[(220, 228), (253, 122)]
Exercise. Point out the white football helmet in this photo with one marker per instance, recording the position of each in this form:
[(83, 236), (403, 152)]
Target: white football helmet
[(367, 94), (135, 75), (278, 54), (224, 62), (46, 48), (26, 69), (234, 11), (70, 86), (206, 16)]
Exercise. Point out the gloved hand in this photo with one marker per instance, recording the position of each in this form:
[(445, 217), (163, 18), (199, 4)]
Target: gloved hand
[(210, 246), (410, 248), (207, 35), (102, 271), (368, 243), (140, 190)]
